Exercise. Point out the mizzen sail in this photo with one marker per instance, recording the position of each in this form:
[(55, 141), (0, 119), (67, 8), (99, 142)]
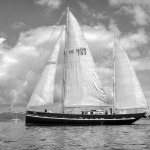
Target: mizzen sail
[(44, 91), (82, 83), (128, 92)]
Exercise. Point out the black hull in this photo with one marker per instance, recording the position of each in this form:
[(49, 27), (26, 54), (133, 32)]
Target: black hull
[(57, 119)]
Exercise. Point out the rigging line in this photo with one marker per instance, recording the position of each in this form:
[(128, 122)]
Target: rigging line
[(61, 17), (64, 70), (23, 112), (120, 45), (13, 115), (25, 83)]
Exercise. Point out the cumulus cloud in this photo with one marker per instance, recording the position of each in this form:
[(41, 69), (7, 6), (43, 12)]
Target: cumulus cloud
[(132, 41), (90, 13), (36, 36), (144, 3), (2, 40), (139, 15), (2, 45), (138, 10), (55, 4), (141, 64)]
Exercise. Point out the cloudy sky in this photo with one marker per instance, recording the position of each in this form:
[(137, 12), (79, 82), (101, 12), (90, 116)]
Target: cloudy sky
[(26, 26)]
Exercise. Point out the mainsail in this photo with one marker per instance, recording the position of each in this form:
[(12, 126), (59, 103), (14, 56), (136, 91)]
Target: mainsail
[(128, 92), (82, 83), (44, 91)]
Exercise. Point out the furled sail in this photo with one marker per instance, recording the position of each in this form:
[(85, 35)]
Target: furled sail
[(82, 83), (44, 91), (128, 92)]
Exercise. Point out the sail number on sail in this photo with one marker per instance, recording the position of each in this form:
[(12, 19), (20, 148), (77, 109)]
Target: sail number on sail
[(80, 51)]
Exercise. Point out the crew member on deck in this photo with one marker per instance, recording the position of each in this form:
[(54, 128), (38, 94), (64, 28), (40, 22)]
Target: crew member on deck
[(45, 110), (106, 112), (110, 110)]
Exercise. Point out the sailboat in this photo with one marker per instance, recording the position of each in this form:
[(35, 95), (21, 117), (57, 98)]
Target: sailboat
[(82, 88)]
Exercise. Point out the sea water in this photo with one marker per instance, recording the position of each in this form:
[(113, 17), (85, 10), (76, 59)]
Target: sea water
[(17, 136)]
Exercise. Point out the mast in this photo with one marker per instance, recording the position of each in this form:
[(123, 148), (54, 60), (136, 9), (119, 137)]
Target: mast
[(64, 70), (114, 80)]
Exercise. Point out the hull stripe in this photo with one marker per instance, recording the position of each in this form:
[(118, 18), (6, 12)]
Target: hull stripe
[(132, 118)]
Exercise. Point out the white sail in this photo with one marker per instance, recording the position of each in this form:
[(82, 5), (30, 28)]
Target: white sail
[(128, 92), (82, 83), (44, 91)]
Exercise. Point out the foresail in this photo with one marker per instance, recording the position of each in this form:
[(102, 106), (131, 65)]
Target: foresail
[(44, 91), (128, 92), (82, 83)]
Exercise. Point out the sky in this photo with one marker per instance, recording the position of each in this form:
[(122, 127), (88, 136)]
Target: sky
[(26, 27)]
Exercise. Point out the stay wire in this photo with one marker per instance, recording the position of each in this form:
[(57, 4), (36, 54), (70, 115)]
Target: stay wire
[(37, 61)]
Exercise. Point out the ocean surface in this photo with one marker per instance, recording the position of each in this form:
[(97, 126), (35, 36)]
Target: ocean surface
[(16, 136)]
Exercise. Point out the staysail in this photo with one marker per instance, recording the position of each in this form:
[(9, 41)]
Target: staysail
[(128, 92), (82, 83), (44, 91)]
